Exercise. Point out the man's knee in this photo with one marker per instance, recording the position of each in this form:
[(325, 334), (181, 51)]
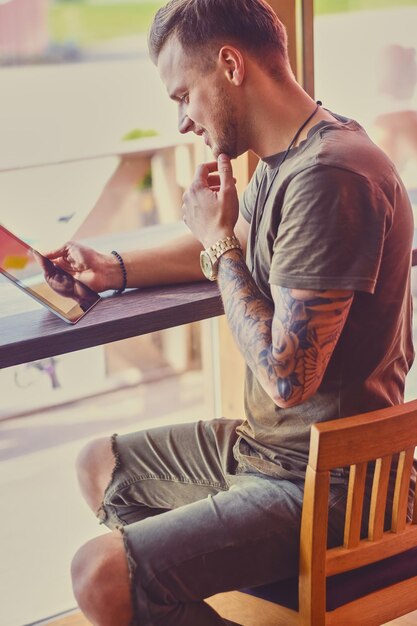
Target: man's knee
[(101, 582), (94, 465), (87, 568)]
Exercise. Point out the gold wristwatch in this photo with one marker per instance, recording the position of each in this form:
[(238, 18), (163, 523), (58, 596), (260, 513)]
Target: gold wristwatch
[(209, 258)]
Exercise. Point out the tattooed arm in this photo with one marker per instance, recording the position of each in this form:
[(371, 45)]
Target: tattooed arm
[(288, 344)]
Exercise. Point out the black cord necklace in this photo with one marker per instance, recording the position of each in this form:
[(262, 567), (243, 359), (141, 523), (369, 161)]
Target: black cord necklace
[(259, 212), (299, 131)]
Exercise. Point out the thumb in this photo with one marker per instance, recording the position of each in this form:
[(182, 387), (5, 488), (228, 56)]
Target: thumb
[(225, 169)]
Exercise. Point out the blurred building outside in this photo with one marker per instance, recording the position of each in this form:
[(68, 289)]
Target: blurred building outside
[(24, 30)]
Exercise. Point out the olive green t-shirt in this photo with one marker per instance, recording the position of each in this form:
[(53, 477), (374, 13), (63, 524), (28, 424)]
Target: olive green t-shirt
[(334, 215)]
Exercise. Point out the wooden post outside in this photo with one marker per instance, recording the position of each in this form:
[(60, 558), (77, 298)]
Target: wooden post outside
[(230, 383), (297, 15), (305, 45), (287, 13)]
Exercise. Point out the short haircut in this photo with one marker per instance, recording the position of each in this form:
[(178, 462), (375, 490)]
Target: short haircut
[(199, 24)]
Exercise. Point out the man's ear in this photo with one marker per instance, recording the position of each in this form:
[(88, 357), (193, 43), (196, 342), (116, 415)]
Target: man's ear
[(232, 63)]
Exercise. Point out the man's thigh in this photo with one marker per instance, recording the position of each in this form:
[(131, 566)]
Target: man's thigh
[(193, 523), (245, 536), (160, 469)]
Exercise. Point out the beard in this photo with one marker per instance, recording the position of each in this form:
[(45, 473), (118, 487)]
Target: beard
[(224, 137)]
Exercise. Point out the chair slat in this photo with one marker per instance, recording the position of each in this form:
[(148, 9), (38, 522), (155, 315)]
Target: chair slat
[(379, 498), (402, 485), (414, 520), (354, 505), (340, 559), (359, 438), (312, 588)]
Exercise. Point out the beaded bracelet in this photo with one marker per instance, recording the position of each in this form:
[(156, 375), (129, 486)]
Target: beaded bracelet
[(124, 273)]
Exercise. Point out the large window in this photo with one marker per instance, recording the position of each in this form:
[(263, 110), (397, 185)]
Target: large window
[(77, 91), (366, 68), (76, 82)]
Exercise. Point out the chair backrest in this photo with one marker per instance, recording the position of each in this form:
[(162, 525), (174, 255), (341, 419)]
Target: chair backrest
[(354, 442)]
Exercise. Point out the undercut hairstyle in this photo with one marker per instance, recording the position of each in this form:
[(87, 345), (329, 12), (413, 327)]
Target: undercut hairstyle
[(203, 26)]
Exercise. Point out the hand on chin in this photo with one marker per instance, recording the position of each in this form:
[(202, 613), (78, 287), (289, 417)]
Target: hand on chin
[(211, 206)]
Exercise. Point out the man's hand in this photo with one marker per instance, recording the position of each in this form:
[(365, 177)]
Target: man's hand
[(98, 271), (211, 205)]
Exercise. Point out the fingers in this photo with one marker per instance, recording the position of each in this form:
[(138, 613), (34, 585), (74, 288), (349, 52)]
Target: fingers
[(205, 169), (62, 252), (203, 173), (208, 175), (214, 182), (225, 172), (214, 179), (67, 257), (55, 254)]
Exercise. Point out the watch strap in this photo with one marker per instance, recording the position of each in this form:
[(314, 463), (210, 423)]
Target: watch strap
[(223, 245)]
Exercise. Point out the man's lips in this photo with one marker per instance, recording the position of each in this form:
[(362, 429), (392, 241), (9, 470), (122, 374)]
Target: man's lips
[(202, 133)]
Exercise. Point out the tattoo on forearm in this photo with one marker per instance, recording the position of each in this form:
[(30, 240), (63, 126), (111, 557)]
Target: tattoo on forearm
[(288, 348)]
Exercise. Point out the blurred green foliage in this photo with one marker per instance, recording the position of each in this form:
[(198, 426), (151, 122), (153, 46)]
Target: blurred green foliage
[(139, 133), (342, 6), (85, 23), (146, 182)]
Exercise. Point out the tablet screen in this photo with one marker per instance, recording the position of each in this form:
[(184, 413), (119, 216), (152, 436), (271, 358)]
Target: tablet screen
[(50, 285)]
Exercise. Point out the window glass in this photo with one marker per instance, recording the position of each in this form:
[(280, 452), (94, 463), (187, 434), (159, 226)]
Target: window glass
[(75, 76), (76, 83), (366, 69), (51, 408), (77, 88)]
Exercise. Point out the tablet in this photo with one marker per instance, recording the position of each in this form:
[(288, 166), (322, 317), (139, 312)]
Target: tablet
[(44, 281)]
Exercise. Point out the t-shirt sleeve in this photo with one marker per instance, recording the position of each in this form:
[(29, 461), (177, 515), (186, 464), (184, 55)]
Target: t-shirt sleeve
[(248, 198), (331, 233)]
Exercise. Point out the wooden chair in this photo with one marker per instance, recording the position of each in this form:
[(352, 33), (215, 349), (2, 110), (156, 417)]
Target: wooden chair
[(367, 581)]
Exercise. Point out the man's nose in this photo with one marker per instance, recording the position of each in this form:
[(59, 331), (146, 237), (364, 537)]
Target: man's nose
[(185, 125)]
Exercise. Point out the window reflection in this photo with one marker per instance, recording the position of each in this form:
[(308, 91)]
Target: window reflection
[(366, 68), (396, 125)]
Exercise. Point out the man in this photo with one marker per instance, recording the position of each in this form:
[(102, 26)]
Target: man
[(320, 310)]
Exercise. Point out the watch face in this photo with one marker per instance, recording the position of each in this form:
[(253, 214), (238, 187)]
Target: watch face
[(207, 266)]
